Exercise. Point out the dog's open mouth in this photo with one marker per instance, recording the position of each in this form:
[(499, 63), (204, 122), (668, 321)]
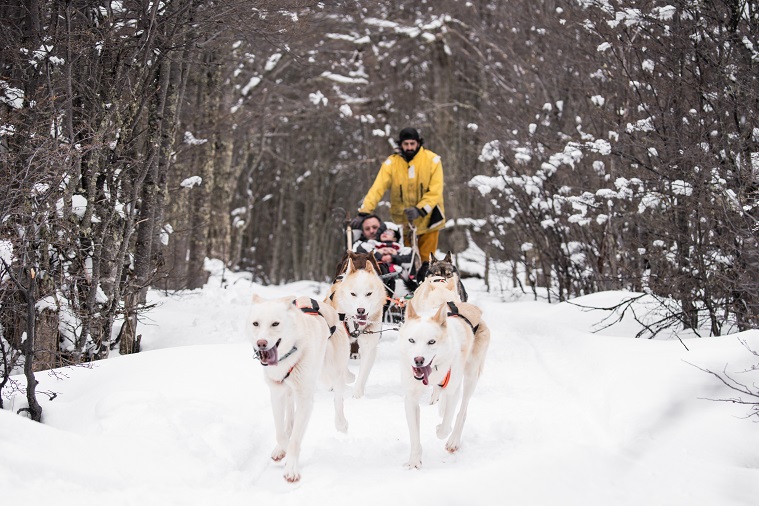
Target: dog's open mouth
[(268, 357), (361, 319), (422, 373)]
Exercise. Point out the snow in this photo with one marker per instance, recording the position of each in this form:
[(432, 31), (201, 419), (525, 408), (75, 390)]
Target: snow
[(568, 411)]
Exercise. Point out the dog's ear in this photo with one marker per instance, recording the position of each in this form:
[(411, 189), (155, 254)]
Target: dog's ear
[(448, 258), (257, 299), (410, 311), (350, 265), (433, 260), (441, 317), (372, 265), (342, 264)]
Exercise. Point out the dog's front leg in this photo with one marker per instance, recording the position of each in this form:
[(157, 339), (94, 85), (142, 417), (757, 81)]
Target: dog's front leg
[(304, 405), (289, 413), (449, 402), (413, 418), (341, 423), (435, 397), (368, 355), (470, 382), (280, 399)]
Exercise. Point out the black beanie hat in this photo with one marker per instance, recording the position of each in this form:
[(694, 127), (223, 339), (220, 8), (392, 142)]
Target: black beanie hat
[(409, 133)]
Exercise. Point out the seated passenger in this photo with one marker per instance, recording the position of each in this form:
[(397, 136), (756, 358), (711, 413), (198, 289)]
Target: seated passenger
[(390, 251), (383, 240)]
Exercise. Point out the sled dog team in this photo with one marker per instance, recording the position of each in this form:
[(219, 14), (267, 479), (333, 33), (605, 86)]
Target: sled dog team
[(299, 341)]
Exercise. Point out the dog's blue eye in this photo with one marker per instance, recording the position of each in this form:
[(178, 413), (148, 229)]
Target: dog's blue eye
[(274, 324), (431, 341)]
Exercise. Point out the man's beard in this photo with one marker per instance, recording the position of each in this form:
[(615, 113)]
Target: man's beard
[(409, 155)]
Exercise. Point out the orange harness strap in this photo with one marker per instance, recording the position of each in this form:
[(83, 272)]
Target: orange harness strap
[(445, 380), (398, 302)]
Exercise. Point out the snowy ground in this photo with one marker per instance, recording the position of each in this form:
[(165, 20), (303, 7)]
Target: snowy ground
[(562, 415)]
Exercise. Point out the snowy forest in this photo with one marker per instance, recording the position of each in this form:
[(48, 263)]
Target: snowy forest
[(589, 145)]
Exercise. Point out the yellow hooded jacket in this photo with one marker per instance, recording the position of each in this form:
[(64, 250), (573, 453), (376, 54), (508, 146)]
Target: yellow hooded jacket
[(415, 184)]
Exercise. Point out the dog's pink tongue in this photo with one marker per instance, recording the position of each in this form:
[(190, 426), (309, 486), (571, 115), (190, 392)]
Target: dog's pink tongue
[(422, 373), (269, 357)]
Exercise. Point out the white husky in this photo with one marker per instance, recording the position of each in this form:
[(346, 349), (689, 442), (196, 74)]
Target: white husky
[(434, 291), (429, 296), (299, 343), (359, 298), (442, 347)]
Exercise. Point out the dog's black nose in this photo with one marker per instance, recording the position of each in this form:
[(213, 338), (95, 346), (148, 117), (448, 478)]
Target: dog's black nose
[(419, 361), (360, 310)]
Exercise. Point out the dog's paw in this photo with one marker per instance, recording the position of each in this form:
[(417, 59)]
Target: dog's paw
[(341, 425), (278, 454), (413, 463), (358, 393), (443, 431), (452, 445), (291, 475)]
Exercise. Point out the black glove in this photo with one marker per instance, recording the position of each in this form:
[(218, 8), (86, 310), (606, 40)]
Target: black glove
[(358, 220), (412, 213)]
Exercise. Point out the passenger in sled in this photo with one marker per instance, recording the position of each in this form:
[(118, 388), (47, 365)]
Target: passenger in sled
[(383, 240)]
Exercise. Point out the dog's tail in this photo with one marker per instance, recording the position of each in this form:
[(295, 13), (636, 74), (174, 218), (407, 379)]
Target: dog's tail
[(410, 285), (481, 344)]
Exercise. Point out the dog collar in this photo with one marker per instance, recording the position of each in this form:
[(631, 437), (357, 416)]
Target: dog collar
[(289, 353), (356, 332)]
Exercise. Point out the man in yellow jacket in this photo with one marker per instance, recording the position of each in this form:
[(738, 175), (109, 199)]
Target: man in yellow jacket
[(414, 177)]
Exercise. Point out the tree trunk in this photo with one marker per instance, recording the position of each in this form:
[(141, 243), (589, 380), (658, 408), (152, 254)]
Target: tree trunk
[(46, 337), (30, 295)]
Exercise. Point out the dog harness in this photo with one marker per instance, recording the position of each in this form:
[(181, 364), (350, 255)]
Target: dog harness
[(314, 310), (445, 380), (288, 373), (454, 311)]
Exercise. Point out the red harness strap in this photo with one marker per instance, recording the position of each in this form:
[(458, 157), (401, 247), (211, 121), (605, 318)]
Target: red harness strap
[(445, 380), (288, 373)]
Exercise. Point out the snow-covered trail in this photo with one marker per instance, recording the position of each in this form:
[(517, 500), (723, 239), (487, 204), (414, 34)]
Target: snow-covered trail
[(561, 416)]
